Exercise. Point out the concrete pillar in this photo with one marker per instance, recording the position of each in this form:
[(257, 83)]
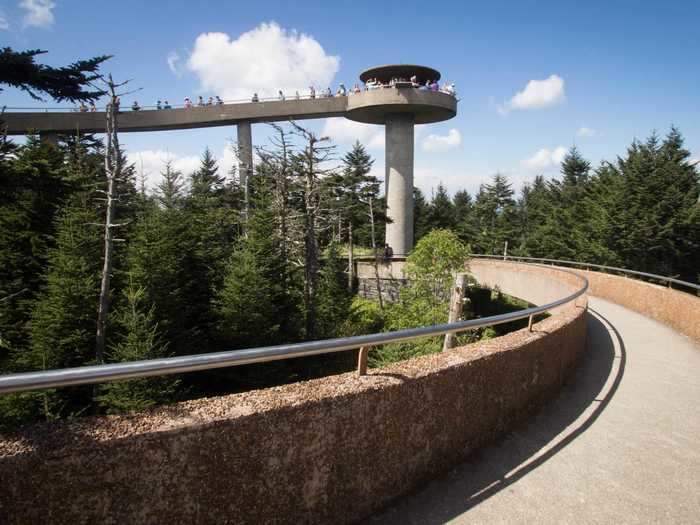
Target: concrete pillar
[(245, 153), (399, 182)]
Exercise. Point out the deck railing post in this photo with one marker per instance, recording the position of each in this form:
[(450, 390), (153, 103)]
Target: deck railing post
[(362, 361)]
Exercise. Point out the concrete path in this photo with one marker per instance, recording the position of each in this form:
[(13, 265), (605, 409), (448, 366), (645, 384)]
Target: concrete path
[(621, 443)]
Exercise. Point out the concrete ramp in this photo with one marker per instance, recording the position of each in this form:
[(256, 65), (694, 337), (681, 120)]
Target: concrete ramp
[(618, 445)]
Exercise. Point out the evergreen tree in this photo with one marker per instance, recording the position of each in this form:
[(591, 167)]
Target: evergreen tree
[(63, 319), (421, 225), (169, 191), (333, 296), (206, 181), (136, 338), (254, 307), (18, 69), (441, 211), (495, 215)]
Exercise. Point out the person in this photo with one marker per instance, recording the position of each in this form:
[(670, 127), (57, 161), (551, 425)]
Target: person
[(425, 87), (434, 86), (255, 98), (312, 92), (280, 95), (200, 101), (166, 105), (342, 92), (117, 103), (210, 102), (356, 89), (296, 95), (83, 108), (158, 106), (188, 103), (92, 107), (388, 253), (135, 106), (219, 102), (329, 93), (450, 89), (414, 81)]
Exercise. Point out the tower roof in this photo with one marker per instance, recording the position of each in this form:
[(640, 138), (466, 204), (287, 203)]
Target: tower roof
[(406, 71)]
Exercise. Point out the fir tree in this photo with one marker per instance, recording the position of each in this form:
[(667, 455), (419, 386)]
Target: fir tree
[(441, 211), (136, 338)]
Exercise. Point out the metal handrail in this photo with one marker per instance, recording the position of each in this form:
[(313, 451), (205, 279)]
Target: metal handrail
[(175, 365), (126, 108), (591, 265)]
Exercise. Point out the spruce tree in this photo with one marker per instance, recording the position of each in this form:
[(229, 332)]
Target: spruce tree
[(441, 211), (136, 337)]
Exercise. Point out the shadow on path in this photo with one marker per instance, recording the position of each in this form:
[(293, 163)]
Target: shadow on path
[(496, 467)]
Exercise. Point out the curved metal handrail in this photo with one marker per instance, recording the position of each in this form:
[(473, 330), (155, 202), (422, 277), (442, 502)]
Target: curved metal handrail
[(591, 265), (175, 365)]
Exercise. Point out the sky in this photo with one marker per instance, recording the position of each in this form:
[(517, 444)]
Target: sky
[(533, 77)]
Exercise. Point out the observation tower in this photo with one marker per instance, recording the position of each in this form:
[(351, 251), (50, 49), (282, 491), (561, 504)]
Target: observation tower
[(399, 106)]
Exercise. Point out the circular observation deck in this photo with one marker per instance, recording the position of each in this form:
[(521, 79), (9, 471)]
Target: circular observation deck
[(384, 74), (373, 107)]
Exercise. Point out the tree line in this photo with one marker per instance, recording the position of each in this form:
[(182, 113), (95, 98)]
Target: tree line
[(640, 211)]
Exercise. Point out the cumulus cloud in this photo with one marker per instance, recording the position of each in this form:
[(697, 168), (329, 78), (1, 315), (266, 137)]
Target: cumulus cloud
[(436, 143), (537, 94), (586, 132), (344, 131), (544, 159), (38, 13), (263, 60), (4, 24), (174, 64)]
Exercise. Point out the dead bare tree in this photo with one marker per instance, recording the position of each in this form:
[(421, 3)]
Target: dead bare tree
[(308, 167), (374, 252), (113, 171)]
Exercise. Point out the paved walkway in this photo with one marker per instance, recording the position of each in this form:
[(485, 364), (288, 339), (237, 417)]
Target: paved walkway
[(621, 443)]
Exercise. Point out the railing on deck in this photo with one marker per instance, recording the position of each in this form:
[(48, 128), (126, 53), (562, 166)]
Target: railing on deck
[(191, 363), (608, 269)]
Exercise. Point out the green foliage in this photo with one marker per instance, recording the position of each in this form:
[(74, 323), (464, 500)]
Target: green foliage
[(333, 300), (424, 301), (365, 317), (137, 338), (18, 69)]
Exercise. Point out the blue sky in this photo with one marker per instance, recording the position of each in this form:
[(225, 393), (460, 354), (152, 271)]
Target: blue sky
[(620, 69)]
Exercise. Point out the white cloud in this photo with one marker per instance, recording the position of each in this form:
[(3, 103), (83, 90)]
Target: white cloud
[(586, 132), (545, 159), (174, 64), (4, 24), (344, 131), (38, 13), (537, 94), (436, 143), (152, 162), (263, 60)]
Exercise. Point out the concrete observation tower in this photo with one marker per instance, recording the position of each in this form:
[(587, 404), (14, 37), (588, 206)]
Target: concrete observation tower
[(399, 108), (398, 105)]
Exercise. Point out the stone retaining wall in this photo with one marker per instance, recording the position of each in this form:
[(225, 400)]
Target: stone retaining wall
[(679, 310), (331, 450)]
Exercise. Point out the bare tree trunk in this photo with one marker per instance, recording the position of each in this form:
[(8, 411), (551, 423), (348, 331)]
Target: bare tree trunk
[(376, 255), (112, 171), (310, 243), (351, 262), (455, 308)]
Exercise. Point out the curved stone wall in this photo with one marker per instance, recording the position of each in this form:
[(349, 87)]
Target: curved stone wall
[(679, 310), (328, 450)]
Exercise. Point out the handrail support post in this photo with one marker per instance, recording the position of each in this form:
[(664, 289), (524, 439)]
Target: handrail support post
[(362, 361), (529, 323)]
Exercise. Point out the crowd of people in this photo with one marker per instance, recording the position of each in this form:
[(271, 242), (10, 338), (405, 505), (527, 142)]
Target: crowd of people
[(371, 85)]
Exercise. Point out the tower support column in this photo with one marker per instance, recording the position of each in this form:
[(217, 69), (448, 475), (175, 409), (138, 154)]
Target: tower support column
[(399, 182), (245, 153)]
